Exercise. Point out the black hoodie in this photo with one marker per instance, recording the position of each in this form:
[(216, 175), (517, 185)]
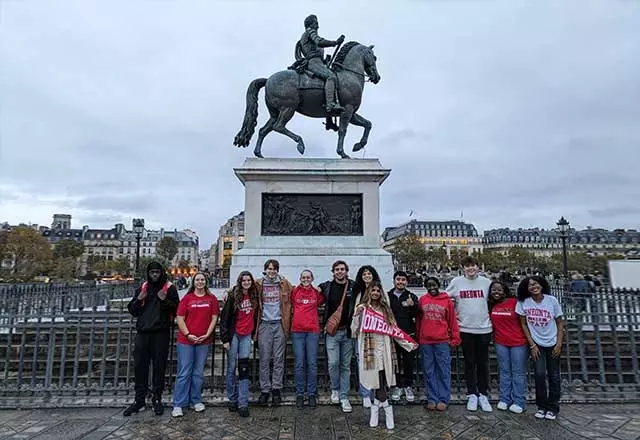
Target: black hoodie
[(154, 314)]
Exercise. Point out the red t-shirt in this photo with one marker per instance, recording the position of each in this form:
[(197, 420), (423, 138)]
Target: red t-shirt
[(306, 301), (506, 324), (197, 312), (244, 316)]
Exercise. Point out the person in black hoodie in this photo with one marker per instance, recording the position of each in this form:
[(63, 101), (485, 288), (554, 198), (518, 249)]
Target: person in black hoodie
[(406, 311), (154, 304)]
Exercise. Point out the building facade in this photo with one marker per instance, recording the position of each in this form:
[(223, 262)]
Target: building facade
[(449, 234), (230, 240)]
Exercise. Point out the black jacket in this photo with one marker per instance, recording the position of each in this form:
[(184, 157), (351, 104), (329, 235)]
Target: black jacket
[(406, 316), (228, 319), (333, 301), (154, 314)]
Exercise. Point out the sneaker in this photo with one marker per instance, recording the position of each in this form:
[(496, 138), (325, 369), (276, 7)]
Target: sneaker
[(396, 393), (335, 396), (276, 400), (198, 407), (244, 411), (502, 406), (484, 403), (472, 403), (313, 402), (408, 394), (134, 408), (516, 409), (299, 402), (177, 412), (430, 406), (263, 399), (441, 406), (158, 408), (550, 415), (346, 405), (366, 402), (233, 406), (540, 414)]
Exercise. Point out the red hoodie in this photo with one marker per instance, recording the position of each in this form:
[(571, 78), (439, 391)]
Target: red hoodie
[(305, 301), (437, 321)]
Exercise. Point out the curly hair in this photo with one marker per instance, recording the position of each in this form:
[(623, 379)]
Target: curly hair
[(359, 285), (237, 291), (523, 287), (507, 293), (383, 302)]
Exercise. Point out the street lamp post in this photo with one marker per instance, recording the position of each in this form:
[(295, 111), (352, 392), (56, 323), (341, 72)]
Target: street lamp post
[(138, 229), (563, 228)]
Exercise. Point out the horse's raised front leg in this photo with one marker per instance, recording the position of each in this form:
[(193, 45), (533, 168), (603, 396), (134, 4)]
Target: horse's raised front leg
[(358, 120), (264, 131), (345, 118), (280, 126)]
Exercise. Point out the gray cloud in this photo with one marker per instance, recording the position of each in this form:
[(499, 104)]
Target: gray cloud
[(513, 114)]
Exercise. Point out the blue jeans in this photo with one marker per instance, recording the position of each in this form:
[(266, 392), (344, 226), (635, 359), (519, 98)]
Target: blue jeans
[(513, 363), (339, 353), (190, 375), (305, 350), (436, 368), (364, 392), (238, 354)]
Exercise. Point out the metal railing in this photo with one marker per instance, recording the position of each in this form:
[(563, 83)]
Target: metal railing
[(68, 345)]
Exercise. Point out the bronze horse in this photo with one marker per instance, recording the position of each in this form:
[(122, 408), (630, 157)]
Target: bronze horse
[(288, 92)]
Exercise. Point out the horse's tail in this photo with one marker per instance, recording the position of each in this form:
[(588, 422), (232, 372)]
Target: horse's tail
[(243, 137)]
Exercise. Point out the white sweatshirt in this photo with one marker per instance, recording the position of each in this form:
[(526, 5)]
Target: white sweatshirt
[(472, 310)]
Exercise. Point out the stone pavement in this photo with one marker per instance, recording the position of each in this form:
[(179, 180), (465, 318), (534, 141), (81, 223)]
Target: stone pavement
[(597, 422)]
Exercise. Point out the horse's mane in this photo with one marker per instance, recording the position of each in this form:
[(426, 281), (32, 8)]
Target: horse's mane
[(339, 59)]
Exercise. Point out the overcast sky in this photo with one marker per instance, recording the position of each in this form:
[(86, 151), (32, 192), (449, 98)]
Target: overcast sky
[(514, 113)]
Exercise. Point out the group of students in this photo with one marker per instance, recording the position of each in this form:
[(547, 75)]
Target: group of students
[(383, 328)]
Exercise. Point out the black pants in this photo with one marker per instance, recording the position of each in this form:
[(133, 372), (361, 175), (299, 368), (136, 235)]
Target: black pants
[(151, 348), (475, 349), (381, 393), (406, 364), (547, 367)]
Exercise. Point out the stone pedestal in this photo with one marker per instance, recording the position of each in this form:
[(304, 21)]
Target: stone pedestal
[(308, 213)]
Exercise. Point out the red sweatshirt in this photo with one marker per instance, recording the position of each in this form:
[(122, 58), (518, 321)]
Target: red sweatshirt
[(306, 301), (437, 322)]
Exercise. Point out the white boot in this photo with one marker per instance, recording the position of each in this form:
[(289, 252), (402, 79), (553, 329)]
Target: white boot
[(375, 407), (388, 414)]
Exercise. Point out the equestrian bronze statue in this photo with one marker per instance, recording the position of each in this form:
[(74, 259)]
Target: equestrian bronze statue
[(316, 87)]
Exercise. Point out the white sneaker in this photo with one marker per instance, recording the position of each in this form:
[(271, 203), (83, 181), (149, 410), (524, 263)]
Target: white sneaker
[(502, 406), (198, 407), (346, 405), (516, 409), (408, 393), (540, 414), (177, 412), (472, 403), (550, 415), (396, 393), (366, 402), (335, 397), (484, 403)]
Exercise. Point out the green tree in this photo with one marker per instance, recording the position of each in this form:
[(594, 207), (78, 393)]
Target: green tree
[(184, 265), (436, 257), (66, 254), (121, 266), (167, 248), (493, 261), (29, 251), (410, 252)]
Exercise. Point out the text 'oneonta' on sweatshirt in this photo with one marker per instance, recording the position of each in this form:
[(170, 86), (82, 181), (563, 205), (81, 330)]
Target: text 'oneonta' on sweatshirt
[(470, 298)]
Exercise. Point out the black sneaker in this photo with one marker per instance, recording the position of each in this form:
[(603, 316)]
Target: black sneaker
[(263, 399), (276, 400), (313, 402), (299, 402), (244, 411), (158, 408), (233, 406), (133, 408)]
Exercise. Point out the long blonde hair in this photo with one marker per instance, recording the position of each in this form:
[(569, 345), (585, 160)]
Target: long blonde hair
[(383, 302)]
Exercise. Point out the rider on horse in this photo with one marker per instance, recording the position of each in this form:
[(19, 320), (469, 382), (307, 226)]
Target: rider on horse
[(312, 47)]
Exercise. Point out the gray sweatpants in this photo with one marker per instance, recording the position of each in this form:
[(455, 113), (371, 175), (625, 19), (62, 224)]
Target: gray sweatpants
[(272, 345)]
